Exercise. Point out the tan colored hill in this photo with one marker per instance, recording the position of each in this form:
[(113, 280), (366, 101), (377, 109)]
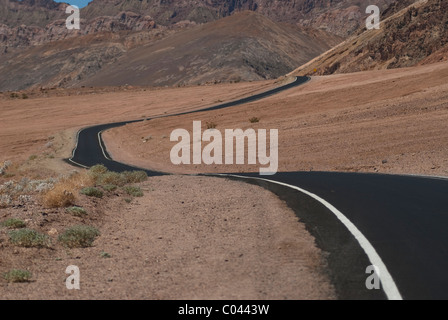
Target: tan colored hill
[(417, 34), (245, 46)]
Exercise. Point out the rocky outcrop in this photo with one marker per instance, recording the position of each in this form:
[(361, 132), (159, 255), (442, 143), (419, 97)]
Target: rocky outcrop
[(14, 13), (340, 17), (415, 35), (245, 46), (24, 36)]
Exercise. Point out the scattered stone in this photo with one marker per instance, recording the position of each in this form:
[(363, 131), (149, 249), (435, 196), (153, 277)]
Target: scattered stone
[(52, 232)]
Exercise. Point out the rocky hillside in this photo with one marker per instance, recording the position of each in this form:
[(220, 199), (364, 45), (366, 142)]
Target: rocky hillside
[(19, 37), (35, 22), (38, 13), (340, 17), (417, 34), (244, 46)]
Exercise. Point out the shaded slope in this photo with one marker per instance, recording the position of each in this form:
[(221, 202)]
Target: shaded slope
[(66, 62), (245, 46)]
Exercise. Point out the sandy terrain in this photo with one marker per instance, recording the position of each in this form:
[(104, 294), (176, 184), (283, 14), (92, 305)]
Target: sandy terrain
[(187, 238), (46, 123), (390, 121)]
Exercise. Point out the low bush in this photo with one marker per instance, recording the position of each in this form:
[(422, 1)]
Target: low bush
[(133, 191), (114, 178), (17, 275), (92, 192), (76, 211), (29, 238), (97, 171), (13, 223), (62, 194), (110, 187), (135, 176), (79, 236)]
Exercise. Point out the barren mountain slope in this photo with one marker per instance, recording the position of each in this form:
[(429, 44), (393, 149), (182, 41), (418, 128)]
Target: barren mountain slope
[(245, 46), (39, 13), (341, 17), (66, 62), (415, 35)]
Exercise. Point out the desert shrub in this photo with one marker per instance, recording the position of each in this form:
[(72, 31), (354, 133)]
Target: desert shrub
[(80, 180), (61, 195), (102, 176), (110, 187), (114, 178), (29, 238), (76, 211), (5, 200), (92, 192), (254, 120), (133, 191), (24, 96), (135, 176), (105, 255), (79, 236), (13, 223), (99, 168), (17, 275), (32, 157)]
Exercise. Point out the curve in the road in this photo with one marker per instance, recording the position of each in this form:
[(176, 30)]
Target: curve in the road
[(90, 150), (388, 283), (385, 209)]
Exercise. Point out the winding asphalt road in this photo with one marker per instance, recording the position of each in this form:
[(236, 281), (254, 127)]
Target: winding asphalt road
[(398, 223)]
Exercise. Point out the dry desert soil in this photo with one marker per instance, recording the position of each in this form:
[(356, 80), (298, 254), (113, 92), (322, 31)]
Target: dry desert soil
[(387, 121)]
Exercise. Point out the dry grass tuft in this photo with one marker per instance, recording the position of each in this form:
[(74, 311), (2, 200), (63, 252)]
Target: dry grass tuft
[(64, 191)]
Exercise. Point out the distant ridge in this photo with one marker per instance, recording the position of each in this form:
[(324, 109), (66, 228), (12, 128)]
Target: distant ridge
[(243, 47)]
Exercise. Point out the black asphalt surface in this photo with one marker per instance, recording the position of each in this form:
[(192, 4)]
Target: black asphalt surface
[(405, 218)]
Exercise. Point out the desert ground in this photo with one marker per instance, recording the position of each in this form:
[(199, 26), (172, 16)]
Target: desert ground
[(194, 237), (187, 238), (387, 121)]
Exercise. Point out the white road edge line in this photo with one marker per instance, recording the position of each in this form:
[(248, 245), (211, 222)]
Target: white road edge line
[(386, 279), (74, 150), (101, 145)]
